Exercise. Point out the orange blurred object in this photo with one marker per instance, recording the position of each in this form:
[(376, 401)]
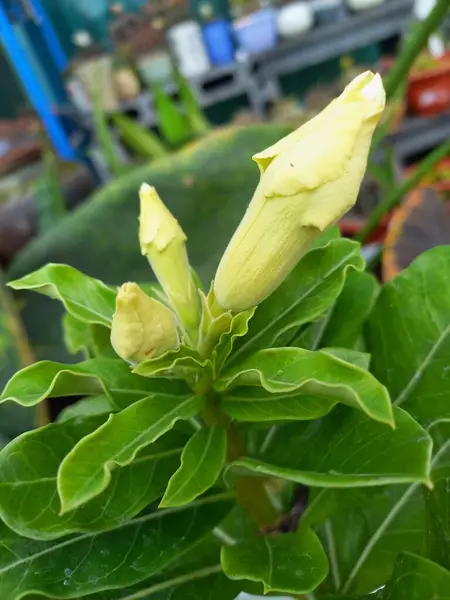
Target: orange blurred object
[(429, 90)]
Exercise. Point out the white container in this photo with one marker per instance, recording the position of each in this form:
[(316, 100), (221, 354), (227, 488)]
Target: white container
[(187, 45), (295, 19), (358, 5)]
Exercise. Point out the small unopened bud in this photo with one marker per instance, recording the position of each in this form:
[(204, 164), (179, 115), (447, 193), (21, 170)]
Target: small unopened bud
[(142, 327), (309, 180), (163, 242)]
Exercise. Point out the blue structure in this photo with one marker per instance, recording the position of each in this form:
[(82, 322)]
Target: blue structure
[(37, 56)]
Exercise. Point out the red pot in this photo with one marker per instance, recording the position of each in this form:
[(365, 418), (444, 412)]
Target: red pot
[(429, 92)]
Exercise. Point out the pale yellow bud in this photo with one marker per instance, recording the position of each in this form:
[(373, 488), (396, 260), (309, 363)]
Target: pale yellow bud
[(142, 327), (164, 244), (309, 180)]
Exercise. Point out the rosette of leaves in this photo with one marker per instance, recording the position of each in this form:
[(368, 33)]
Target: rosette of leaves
[(155, 486)]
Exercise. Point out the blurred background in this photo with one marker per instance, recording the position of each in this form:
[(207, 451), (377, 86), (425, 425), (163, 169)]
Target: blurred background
[(101, 95)]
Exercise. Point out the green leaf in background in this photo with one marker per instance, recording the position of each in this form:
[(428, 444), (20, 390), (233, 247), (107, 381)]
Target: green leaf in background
[(29, 467), (138, 138), (257, 405), (342, 325), (294, 563), (76, 334), (15, 353), (86, 470), (305, 294), (96, 376), (345, 449), (103, 133), (202, 461), (181, 363), (86, 298), (173, 126), (417, 578), (129, 553), (313, 374), (194, 114), (48, 195), (86, 407), (91, 340), (409, 336)]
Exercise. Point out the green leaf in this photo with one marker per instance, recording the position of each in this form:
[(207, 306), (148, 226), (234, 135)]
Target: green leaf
[(366, 531), (409, 336), (29, 467), (85, 298), (238, 328), (416, 577), (386, 524), (91, 562), (313, 374), (103, 133), (257, 405), (294, 563), (113, 378), (201, 463), (181, 363), (342, 325), (140, 139), (91, 339), (207, 583), (438, 499), (306, 293), (359, 359), (345, 449), (86, 470), (76, 334), (86, 407)]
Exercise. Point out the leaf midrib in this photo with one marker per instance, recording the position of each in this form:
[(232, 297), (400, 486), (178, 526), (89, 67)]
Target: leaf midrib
[(150, 457), (387, 521), (136, 521), (112, 459), (415, 378)]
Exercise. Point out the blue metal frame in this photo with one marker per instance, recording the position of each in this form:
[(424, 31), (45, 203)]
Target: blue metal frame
[(38, 59)]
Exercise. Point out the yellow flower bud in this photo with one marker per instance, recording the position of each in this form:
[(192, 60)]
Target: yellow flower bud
[(164, 244), (142, 327), (309, 179)]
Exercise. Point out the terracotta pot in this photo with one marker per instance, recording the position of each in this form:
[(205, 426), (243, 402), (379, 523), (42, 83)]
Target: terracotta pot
[(429, 91)]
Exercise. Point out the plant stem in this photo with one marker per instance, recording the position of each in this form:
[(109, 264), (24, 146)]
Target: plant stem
[(250, 491), (397, 194), (414, 45)]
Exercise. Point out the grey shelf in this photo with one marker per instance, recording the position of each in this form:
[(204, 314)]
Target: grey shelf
[(256, 76), (419, 134), (325, 42)]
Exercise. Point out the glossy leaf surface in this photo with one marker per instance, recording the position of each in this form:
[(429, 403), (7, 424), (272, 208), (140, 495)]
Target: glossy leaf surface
[(29, 502), (86, 470), (201, 463), (313, 374), (293, 563), (96, 376), (127, 554), (85, 298)]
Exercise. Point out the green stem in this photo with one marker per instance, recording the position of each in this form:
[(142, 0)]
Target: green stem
[(414, 45), (397, 194), (251, 492)]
